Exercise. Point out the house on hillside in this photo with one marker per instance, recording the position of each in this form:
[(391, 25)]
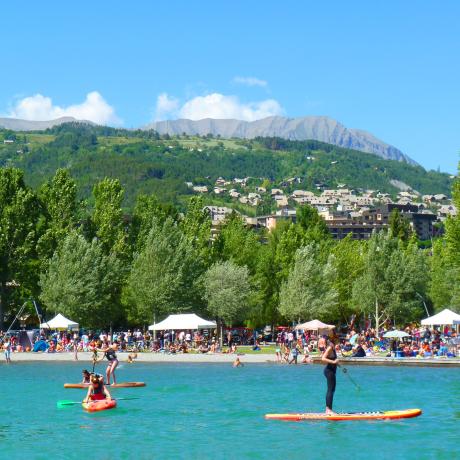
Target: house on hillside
[(220, 190), (447, 210), (234, 193), (200, 189)]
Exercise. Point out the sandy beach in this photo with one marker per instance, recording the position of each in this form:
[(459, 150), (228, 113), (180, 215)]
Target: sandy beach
[(86, 357)]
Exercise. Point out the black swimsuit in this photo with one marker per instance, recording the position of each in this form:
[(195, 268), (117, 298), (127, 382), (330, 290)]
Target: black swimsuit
[(110, 355), (329, 372)]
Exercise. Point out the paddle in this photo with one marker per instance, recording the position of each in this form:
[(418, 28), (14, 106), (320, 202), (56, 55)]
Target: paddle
[(345, 371), (64, 403)]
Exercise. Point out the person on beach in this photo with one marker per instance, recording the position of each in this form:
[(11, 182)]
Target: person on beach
[(110, 354), (330, 357), (7, 349), (97, 390), (75, 340)]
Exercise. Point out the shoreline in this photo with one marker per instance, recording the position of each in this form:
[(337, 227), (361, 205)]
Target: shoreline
[(86, 357)]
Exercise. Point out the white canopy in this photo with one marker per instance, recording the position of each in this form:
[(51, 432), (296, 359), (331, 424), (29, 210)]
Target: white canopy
[(314, 325), (59, 322), (395, 334), (183, 321), (444, 318)]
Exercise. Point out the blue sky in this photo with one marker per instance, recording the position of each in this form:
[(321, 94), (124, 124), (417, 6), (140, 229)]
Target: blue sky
[(391, 68)]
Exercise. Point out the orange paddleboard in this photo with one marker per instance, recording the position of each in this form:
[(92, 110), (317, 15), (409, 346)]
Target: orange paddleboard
[(113, 385), (384, 415), (97, 406)]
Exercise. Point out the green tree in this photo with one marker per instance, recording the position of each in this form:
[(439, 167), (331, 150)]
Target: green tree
[(147, 209), (445, 263), (19, 214), (164, 274), (399, 226), (453, 228), (313, 224), (392, 277), (108, 216), (290, 239), (308, 291), (59, 201), (349, 265), (227, 291), (237, 243), (196, 226), (83, 283)]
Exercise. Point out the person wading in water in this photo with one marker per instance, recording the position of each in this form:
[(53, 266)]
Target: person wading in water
[(330, 357)]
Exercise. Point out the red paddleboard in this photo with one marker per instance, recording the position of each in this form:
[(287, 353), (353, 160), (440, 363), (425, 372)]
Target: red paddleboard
[(383, 415), (97, 406), (113, 385)]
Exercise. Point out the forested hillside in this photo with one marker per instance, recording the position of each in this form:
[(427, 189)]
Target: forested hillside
[(144, 162)]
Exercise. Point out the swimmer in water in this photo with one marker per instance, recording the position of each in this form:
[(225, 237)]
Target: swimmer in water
[(237, 362)]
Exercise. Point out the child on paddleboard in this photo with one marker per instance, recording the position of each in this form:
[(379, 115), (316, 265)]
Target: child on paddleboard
[(86, 376), (97, 390)]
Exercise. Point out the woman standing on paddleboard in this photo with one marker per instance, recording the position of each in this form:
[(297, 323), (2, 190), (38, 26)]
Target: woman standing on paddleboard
[(330, 357), (110, 354)]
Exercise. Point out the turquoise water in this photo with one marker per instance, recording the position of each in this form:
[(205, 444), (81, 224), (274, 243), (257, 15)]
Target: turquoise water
[(215, 411)]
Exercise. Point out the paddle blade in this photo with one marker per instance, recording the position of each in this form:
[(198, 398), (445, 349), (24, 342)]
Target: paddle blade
[(65, 403)]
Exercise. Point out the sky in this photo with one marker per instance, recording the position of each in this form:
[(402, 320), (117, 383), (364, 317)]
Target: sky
[(391, 68)]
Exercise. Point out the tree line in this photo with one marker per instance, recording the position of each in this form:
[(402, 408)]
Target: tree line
[(102, 267)]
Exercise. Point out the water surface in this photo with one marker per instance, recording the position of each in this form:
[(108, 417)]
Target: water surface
[(215, 411)]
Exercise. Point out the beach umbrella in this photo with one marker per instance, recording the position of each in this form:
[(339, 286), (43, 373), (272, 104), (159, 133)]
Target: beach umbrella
[(395, 334), (315, 325)]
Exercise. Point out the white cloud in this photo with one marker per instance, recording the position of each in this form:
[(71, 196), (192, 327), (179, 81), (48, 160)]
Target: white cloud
[(38, 107), (166, 106), (218, 105), (250, 81)]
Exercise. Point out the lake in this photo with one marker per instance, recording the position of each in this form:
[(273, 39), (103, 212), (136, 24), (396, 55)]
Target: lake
[(214, 411)]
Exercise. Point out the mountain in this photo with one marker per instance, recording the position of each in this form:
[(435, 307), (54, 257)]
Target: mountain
[(145, 163), (17, 124), (322, 129)]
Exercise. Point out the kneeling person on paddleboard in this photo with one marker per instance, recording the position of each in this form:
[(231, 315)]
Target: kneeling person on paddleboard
[(86, 376), (97, 390), (330, 357)]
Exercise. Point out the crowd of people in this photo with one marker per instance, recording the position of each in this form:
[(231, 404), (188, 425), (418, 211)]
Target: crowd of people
[(292, 346), (421, 342)]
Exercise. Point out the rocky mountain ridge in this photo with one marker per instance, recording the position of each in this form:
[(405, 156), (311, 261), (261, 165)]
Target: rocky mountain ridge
[(320, 128), (324, 129)]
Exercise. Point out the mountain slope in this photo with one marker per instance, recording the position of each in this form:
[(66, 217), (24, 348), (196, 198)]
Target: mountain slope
[(322, 129), (144, 163), (17, 124)]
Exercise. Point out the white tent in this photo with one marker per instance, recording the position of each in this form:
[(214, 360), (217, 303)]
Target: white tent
[(444, 318), (315, 325), (59, 322), (183, 321), (395, 334)]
